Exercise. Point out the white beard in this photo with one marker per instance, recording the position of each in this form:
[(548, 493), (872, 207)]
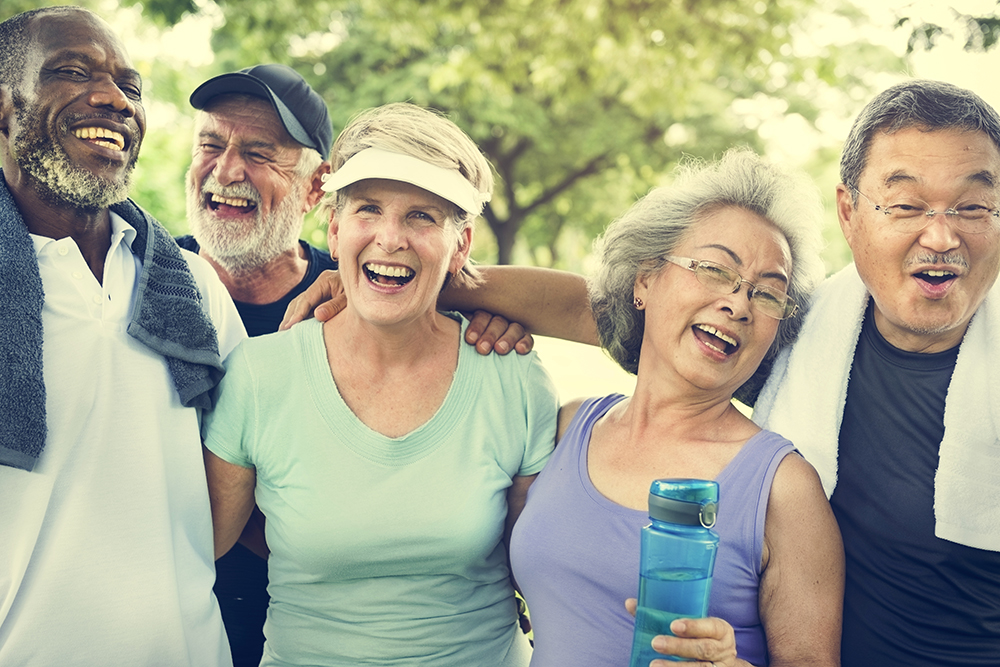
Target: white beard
[(245, 246)]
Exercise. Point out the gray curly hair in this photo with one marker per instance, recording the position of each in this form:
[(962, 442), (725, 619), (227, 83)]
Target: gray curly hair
[(653, 227)]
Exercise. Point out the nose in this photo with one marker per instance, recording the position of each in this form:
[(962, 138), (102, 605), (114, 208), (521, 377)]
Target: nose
[(229, 167), (940, 234), (735, 304), (391, 234), (107, 94)]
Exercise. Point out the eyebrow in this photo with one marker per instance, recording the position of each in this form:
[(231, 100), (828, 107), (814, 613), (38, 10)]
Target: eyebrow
[(983, 177), (209, 134), (739, 262)]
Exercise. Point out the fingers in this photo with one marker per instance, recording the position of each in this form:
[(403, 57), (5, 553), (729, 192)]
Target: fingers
[(709, 640), (477, 327), (631, 605), (324, 288), (711, 627), (525, 344), (298, 310), (492, 333), (513, 338), (326, 311), (492, 339)]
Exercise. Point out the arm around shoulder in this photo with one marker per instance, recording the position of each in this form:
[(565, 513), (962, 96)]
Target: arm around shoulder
[(546, 302)]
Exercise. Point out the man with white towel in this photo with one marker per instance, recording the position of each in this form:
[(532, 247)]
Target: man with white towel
[(892, 391)]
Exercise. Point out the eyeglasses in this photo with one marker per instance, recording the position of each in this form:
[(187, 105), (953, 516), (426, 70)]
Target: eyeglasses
[(724, 280), (913, 215)]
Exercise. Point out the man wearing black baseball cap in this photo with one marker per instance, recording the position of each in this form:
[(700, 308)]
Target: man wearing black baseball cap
[(261, 147)]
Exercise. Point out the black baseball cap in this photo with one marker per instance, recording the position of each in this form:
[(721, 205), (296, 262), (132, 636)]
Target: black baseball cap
[(301, 110)]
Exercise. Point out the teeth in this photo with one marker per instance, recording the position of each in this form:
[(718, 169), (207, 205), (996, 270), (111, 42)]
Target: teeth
[(939, 274), (390, 271), (230, 201), (114, 139), (718, 334)]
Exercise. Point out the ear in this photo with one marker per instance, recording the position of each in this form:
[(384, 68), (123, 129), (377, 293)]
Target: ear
[(331, 234), (462, 252), (642, 284), (846, 211), (316, 186)]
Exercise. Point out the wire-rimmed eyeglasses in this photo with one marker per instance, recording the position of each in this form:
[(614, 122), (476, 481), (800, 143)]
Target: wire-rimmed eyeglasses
[(724, 280), (912, 215)]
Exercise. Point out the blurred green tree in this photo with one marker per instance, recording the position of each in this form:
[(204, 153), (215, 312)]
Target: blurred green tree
[(979, 33), (581, 105)]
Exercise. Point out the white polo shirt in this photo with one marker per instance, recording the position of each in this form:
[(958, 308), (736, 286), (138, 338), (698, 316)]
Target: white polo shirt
[(106, 549)]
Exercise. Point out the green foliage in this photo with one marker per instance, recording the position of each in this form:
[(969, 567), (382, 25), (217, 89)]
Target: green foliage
[(570, 100), (981, 33), (581, 105)]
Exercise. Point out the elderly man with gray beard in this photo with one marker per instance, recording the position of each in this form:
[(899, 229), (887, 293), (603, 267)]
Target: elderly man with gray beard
[(261, 142)]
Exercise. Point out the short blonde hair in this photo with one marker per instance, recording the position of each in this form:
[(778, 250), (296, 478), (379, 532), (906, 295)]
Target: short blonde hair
[(422, 133)]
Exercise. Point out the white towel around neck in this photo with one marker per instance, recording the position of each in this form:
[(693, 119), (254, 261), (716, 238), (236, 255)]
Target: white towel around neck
[(804, 398)]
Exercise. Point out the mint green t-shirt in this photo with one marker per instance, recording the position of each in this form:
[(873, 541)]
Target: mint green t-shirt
[(384, 551)]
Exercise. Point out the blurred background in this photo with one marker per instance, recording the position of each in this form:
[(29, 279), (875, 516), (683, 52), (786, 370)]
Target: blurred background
[(581, 105)]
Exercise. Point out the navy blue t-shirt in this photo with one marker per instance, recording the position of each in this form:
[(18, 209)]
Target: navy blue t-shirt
[(241, 575), (260, 319), (911, 599)]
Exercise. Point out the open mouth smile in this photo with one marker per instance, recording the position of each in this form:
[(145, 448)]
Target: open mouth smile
[(936, 276), (715, 339), (240, 204), (388, 276), (101, 136)]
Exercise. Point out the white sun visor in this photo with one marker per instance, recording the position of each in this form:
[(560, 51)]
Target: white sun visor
[(378, 163)]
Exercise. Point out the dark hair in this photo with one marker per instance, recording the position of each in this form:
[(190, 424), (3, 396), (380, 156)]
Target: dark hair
[(14, 42), (930, 105)]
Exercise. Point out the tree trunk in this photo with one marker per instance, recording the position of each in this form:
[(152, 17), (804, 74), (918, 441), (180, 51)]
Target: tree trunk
[(505, 232)]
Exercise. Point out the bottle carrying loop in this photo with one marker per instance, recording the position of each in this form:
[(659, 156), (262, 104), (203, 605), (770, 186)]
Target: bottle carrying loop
[(707, 514), (684, 512)]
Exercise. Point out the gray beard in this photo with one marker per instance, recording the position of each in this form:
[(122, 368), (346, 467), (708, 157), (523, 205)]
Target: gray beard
[(233, 246), (56, 178)]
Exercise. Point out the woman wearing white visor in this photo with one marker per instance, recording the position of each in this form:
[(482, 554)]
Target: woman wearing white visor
[(387, 457)]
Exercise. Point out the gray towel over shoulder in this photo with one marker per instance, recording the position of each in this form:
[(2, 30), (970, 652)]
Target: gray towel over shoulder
[(168, 317)]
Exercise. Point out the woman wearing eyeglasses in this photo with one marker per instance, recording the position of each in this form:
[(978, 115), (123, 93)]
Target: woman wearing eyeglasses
[(698, 284)]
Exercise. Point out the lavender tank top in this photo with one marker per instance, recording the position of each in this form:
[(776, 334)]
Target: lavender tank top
[(575, 553)]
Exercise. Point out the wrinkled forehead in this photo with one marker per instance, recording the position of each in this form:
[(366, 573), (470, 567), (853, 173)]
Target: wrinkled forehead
[(933, 159), (245, 118), (72, 30)]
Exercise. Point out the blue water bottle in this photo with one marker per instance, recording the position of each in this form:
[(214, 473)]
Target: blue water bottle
[(677, 556)]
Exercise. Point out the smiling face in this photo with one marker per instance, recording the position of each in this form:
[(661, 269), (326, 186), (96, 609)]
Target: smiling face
[(76, 121), (396, 243), (695, 335), (245, 197), (926, 285)]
